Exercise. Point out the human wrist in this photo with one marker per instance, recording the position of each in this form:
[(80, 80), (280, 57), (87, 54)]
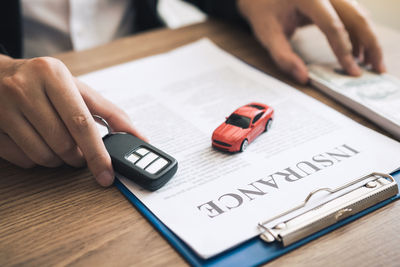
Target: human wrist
[(5, 60), (245, 7), (9, 65)]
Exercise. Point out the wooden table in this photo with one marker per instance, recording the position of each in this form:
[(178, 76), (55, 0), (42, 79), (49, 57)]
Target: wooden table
[(62, 217)]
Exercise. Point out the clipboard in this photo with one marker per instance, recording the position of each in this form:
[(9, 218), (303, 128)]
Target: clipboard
[(378, 191)]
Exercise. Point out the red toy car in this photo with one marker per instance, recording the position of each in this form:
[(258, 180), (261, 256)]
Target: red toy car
[(242, 127)]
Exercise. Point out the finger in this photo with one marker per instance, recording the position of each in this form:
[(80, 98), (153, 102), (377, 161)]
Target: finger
[(355, 19), (349, 25), (69, 104), (30, 142), (273, 38), (356, 49), (12, 153), (375, 58), (325, 17), (40, 113), (116, 117), (361, 57), (374, 55)]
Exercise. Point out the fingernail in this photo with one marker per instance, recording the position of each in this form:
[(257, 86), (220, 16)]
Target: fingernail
[(382, 67), (300, 76), (141, 136), (105, 178), (354, 69)]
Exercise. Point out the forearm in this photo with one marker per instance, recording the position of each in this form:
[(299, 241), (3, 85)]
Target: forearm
[(4, 58), (5, 62)]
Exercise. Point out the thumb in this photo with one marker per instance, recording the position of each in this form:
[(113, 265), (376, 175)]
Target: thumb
[(117, 118)]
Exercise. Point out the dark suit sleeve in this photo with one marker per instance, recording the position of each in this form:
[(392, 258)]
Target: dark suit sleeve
[(146, 16), (10, 28)]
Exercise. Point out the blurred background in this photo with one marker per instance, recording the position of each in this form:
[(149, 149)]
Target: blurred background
[(385, 12), (177, 13)]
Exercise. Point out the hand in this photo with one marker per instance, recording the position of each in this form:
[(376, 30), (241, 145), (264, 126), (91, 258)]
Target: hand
[(342, 21), (45, 118)]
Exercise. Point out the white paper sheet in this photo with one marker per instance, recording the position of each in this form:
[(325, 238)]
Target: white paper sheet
[(215, 200)]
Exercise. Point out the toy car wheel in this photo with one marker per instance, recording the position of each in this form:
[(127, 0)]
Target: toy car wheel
[(244, 145), (268, 125)]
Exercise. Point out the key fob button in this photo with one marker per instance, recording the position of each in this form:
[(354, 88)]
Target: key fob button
[(133, 158), (156, 165), (146, 160), (142, 151)]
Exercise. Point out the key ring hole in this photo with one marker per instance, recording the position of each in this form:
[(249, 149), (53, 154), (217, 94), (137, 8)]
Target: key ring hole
[(102, 121)]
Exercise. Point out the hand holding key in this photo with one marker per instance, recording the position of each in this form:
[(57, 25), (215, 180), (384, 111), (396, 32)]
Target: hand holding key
[(46, 118)]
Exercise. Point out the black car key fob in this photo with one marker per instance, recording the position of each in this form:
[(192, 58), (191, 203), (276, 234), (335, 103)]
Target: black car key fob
[(139, 161)]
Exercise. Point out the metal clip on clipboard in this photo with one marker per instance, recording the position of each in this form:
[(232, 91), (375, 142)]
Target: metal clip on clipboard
[(381, 187)]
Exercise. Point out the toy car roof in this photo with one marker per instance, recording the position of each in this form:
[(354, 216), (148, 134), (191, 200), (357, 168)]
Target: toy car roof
[(250, 110)]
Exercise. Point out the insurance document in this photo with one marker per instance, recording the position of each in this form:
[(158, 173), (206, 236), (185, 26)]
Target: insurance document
[(216, 199)]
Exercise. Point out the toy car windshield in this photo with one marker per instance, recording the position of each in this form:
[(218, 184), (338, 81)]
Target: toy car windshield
[(239, 121)]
